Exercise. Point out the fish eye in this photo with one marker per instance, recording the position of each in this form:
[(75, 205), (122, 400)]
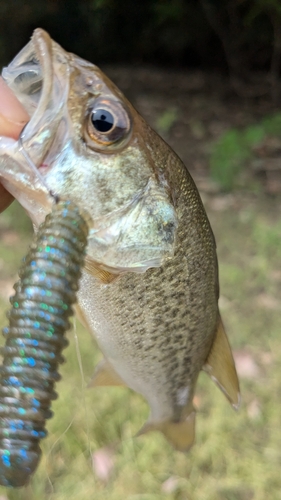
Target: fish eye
[(102, 120), (108, 124)]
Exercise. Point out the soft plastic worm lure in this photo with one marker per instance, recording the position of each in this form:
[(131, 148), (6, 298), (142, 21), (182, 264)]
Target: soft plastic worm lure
[(38, 320)]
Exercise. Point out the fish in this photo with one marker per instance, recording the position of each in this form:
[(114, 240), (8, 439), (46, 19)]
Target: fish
[(149, 290)]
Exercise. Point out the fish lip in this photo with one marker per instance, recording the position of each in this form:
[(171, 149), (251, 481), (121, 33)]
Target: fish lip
[(44, 93), (28, 61), (37, 64)]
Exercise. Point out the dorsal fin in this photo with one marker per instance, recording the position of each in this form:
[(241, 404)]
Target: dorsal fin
[(104, 375), (221, 368)]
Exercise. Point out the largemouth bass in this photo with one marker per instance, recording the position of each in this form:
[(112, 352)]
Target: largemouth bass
[(149, 291)]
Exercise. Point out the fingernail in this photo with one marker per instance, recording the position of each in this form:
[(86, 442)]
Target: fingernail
[(9, 128)]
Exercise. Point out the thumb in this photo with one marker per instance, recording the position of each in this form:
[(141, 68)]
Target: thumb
[(13, 117)]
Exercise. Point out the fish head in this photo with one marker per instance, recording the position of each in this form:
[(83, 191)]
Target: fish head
[(85, 142)]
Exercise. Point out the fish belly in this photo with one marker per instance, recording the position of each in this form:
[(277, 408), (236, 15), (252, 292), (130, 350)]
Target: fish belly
[(150, 335)]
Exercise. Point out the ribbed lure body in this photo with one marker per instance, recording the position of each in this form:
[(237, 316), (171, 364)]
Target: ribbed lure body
[(35, 338)]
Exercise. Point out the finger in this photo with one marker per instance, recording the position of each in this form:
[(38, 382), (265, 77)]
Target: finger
[(13, 117), (5, 198)]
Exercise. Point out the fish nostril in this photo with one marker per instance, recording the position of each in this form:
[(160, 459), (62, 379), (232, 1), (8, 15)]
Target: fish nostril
[(169, 232)]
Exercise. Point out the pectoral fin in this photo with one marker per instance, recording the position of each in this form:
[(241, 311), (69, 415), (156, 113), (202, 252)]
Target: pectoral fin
[(180, 434), (103, 276), (105, 375), (221, 368)]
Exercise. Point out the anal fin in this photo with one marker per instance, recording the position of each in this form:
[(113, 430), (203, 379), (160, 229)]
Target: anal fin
[(105, 375), (220, 367), (180, 434)]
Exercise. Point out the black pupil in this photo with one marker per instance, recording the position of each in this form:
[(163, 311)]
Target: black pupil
[(102, 120)]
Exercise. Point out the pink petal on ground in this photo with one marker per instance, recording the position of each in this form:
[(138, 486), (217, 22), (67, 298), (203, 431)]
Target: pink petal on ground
[(246, 366), (170, 485), (103, 463)]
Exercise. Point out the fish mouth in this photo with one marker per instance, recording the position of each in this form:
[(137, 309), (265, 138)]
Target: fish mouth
[(39, 78), (139, 235)]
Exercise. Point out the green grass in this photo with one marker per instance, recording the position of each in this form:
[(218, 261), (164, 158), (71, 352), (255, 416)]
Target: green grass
[(237, 455)]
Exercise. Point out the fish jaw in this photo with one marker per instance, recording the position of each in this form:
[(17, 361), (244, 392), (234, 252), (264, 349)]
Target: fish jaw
[(131, 215)]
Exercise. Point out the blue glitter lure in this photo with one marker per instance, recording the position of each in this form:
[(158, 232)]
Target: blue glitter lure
[(38, 320)]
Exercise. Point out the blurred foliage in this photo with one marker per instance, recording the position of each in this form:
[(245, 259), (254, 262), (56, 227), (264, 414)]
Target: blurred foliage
[(166, 120), (235, 148), (209, 33)]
